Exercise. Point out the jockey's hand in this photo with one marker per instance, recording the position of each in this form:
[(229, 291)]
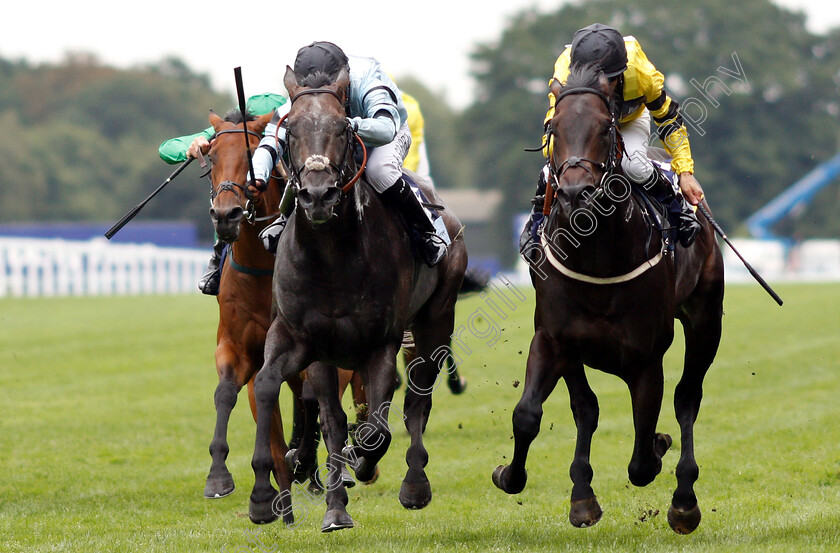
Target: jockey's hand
[(199, 145), (690, 188), (254, 188)]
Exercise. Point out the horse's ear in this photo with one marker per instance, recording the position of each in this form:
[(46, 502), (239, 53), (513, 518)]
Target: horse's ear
[(258, 124), (603, 82), (342, 82), (290, 82), (555, 88), (215, 120)]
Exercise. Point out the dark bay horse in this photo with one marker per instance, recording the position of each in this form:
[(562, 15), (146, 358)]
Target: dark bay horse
[(346, 286), (607, 293)]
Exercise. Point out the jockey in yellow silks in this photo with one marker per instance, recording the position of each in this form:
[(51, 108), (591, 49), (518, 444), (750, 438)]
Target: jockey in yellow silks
[(638, 90), (416, 160)]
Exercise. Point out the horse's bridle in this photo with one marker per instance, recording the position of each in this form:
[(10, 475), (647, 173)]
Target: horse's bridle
[(341, 171), (231, 186), (609, 166)]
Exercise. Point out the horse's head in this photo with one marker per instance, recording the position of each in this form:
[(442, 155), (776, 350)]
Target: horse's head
[(320, 142), (584, 135), (230, 170)]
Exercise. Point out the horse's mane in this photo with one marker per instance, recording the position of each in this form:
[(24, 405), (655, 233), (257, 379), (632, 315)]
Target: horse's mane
[(314, 80), (235, 116), (586, 76), (583, 76)]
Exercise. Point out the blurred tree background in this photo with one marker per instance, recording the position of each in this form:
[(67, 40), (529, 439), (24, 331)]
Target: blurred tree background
[(80, 139)]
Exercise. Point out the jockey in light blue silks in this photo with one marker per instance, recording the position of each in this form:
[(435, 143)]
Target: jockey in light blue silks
[(376, 113)]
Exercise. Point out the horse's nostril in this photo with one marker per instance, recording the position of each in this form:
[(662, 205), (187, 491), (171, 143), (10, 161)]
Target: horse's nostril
[(332, 196), (213, 213), (236, 214), (305, 198)]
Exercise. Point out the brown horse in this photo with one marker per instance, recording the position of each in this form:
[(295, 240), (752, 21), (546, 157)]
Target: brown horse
[(607, 299), (346, 286)]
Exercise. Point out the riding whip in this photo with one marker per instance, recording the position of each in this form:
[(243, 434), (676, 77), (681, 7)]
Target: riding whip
[(240, 93), (752, 271), (136, 209)]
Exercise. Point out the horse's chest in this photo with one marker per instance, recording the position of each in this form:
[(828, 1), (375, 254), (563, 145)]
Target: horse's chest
[(610, 339), (340, 321)]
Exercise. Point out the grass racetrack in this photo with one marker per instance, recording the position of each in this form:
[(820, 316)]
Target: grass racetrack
[(106, 414)]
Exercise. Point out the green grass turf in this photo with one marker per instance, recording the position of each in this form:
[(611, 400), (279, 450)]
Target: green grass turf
[(106, 413)]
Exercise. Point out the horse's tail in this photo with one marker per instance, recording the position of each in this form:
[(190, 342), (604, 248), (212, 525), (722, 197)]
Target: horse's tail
[(475, 280)]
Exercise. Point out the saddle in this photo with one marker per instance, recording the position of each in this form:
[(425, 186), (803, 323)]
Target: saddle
[(430, 208)]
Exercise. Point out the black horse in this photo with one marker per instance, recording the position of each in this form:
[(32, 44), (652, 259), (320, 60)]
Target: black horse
[(608, 290), (346, 286)]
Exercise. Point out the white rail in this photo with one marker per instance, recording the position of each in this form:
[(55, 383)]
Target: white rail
[(54, 267)]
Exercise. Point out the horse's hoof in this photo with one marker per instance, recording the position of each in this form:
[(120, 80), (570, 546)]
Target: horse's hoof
[(585, 512), (219, 485), (684, 522), (264, 511), (336, 519), (364, 471), (662, 444), (375, 476), (457, 385), (504, 481), (346, 478), (415, 496)]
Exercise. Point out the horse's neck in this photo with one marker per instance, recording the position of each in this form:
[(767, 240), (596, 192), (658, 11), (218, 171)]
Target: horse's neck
[(337, 243), (350, 246), (249, 251)]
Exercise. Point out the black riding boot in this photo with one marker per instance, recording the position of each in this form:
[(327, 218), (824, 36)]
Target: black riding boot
[(431, 248), (270, 235), (678, 208), (535, 219), (209, 281)]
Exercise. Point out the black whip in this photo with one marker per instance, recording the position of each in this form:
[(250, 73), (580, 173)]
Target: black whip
[(752, 271)]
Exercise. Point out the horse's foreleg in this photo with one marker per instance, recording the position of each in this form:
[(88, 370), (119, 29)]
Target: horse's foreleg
[(701, 342), (281, 362), (302, 456), (585, 510), (649, 447), (541, 375), (421, 374), (324, 381), (360, 407), (277, 444), (219, 480)]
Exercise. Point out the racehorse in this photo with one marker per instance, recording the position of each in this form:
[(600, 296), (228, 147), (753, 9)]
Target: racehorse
[(346, 286), (607, 299)]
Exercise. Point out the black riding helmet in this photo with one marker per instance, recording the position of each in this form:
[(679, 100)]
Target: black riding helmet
[(601, 45), (320, 56)]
